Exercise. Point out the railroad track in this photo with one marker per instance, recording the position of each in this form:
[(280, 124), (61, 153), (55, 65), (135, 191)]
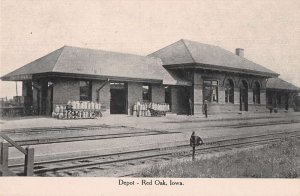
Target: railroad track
[(147, 132), (57, 129), (50, 140), (93, 127), (227, 119), (108, 160), (242, 125)]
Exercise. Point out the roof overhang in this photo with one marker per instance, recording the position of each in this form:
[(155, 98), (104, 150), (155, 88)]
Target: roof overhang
[(94, 77), (220, 68), (17, 77)]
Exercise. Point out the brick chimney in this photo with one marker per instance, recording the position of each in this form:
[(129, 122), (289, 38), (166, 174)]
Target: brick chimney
[(239, 52)]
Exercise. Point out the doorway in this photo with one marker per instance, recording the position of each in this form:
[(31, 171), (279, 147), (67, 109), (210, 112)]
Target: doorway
[(45, 98), (244, 96), (286, 101), (168, 95), (118, 98)]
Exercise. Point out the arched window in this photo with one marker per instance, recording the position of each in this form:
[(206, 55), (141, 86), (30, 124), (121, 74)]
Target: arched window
[(229, 91), (210, 90), (256, 93)]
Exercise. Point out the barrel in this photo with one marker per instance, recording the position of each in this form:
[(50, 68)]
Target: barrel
[(56, 110), (92, 105), (73, 103)]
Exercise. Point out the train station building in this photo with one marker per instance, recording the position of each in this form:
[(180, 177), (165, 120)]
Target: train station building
[(184, 74)]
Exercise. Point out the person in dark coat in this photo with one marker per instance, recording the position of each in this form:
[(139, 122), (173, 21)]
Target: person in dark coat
[(205, 108), (195, 141), (190, 106)]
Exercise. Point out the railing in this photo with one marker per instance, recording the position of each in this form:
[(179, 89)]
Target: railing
[(28, 152)]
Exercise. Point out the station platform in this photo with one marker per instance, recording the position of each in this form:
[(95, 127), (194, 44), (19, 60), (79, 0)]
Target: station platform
[(125, 120), (180, 127)]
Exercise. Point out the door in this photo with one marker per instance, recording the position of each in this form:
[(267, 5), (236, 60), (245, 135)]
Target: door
[(118, 101), (168, 95), (244, 96), (118, 98), (49, 100)]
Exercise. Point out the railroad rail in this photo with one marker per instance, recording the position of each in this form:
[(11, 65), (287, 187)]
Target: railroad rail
[(242, 125), (147, 132), (42, 168), (91, 127), (49, 140)]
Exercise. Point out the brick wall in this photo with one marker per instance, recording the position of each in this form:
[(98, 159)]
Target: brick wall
[(250, 96), (214, 108), (179, 104), (28, 95), (104, 94), (35, 103), (221, 106), (198, 93), (135, 93), (263, 97), (158, 93), (65, 90)]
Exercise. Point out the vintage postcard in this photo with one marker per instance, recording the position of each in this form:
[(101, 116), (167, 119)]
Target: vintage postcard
[(150, 97)]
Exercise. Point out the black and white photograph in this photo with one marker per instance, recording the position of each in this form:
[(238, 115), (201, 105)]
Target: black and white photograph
[(150, 93)]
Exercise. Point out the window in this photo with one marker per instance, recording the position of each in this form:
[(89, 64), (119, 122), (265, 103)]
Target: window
[(146, 93), (85, 90), (210, 90), (256, 93), (229, 91)]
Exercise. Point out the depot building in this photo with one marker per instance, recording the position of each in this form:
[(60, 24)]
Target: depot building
[(183, 74)]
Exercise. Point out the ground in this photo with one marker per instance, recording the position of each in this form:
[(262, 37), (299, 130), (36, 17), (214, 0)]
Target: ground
[(281, 160), (178, 128)]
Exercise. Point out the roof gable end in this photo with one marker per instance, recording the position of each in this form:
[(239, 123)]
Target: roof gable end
[(176, 53), (215, 55)]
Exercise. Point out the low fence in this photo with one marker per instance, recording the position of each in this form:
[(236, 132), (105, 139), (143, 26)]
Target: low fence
[(28, 152)]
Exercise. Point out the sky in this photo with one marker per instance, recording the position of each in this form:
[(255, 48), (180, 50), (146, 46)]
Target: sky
[(268, 30)]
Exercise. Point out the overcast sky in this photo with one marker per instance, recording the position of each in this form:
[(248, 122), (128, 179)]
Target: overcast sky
[(268, 30)]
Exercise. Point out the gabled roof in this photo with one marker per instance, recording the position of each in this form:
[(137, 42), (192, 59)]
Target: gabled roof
[(74, 60), (41, 65), (277, 83), (185, 52)]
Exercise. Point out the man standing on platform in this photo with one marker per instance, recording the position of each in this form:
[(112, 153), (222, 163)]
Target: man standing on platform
[(205, 108), (190, 107)]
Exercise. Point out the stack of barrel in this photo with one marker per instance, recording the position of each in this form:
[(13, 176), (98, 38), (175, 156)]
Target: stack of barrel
[(163, 107), (77, 110), (141, 109), (150, 109)]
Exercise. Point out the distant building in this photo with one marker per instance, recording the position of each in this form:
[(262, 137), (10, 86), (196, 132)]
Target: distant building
[(281, 94), (174, 74)]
